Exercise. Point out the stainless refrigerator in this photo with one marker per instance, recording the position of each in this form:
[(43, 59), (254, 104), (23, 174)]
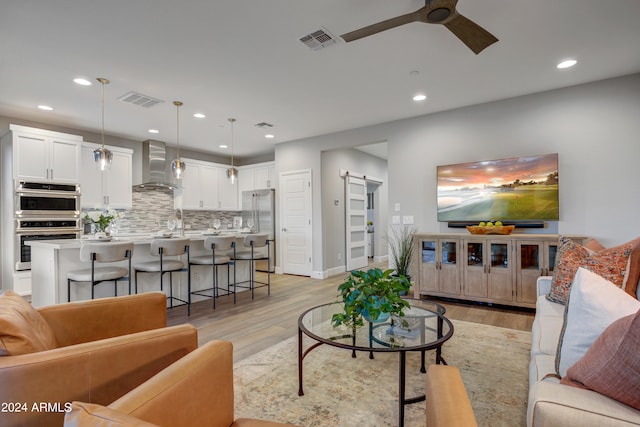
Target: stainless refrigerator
[(260, 207)]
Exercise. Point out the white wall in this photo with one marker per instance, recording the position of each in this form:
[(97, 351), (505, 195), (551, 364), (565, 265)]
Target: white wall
[(595, 129)]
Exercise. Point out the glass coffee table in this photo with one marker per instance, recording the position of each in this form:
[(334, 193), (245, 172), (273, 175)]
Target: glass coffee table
[(424, 327)]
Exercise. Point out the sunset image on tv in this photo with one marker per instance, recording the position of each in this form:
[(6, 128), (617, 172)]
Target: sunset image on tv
[(521, 188)]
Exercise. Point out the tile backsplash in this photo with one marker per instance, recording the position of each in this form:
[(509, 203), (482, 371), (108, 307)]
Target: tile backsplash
[(153, 207)]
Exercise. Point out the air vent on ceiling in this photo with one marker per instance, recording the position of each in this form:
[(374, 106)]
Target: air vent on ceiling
[(140, 99), (318, 39), (263, 125)]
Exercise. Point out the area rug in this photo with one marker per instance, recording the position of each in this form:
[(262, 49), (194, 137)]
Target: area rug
[(342, 391)]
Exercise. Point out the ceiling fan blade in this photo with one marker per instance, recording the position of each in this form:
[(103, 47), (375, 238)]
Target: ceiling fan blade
[(382, 26), (474, 36)]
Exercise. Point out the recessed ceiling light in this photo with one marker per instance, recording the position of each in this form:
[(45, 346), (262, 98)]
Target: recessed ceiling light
[(199, 116), (567, 63), (224, 146), (45, 107), (420, 97), (81, 81), (269, 136), (154, 131)]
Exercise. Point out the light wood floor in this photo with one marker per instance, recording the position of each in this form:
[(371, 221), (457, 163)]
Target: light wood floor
[(255, 325)]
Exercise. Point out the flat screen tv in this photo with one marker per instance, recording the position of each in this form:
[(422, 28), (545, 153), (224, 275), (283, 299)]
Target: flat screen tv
[(512, 190)]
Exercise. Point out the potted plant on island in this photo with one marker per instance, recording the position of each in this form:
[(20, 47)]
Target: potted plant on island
[(371, 295)]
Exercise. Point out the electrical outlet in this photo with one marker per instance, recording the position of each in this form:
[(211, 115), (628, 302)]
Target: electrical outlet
[(395, 219), (407, 219), (339, 256), (397, 207)]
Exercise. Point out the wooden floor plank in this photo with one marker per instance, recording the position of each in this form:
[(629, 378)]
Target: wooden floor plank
[(253, 325)]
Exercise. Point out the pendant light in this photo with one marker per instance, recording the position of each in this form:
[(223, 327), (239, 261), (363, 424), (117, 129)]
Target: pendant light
[(178, 166), (232, 173), (102, 156)]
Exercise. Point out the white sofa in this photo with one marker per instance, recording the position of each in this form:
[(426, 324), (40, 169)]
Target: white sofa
[(555, 404)]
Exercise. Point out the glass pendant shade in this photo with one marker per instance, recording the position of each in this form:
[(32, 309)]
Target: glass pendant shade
[(102, 158), (232, 174), (177, 168)]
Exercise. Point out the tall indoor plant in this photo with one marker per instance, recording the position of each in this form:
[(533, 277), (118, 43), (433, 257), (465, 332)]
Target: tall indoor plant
[(372, 295), (401, 248)]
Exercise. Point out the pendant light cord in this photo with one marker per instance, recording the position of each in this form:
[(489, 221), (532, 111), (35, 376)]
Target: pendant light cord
[(177, 104), (103, 81), (232, 120)]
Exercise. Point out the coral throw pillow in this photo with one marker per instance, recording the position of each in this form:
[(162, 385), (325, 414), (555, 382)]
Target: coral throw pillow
[(22, 329), (612, 366), (620, 265)]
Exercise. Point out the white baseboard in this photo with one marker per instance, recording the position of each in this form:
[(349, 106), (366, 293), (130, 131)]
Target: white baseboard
[(381, 258), (328, 273), (319, 275)]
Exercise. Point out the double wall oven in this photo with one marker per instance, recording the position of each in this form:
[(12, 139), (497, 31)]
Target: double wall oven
[(44, 212)]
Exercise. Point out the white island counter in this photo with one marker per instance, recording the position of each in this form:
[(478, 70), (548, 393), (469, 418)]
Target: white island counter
[(51, 260)]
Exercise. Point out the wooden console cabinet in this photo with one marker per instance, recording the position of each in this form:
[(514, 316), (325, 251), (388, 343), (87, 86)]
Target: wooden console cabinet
[(489, 268)]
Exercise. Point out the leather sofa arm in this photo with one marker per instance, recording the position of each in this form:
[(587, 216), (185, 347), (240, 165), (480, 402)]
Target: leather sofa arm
[(97, 372), (196, 390), (447, 402), (84, 321)]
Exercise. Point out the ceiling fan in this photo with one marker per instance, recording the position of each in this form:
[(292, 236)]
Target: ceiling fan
[(434, 12)]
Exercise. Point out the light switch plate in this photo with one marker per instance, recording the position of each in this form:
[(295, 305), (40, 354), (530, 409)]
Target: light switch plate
[(397, 208), (407, 219), (395, 219)]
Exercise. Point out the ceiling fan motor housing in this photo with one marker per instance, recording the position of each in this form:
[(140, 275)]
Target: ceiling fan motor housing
[(438, 15)]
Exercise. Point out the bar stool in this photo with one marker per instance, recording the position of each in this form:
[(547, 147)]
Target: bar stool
[(102, 252), (164, 248), (255, 243), (219, 245)]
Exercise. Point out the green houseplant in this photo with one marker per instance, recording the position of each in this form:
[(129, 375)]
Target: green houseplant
[(401, 247), (373, 295)]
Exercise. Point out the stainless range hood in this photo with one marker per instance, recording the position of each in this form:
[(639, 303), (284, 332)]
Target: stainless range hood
[(155, 174)]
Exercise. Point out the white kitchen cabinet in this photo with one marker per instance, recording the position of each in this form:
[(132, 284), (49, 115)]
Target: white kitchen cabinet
[(112, 187), (199, 186), (205, 186), (246, 179), (227, 192), (264, 176), (256, 177), (45, 156)]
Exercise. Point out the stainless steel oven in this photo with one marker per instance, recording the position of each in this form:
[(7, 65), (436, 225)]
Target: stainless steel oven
[(44, 211), (30, 229), (35, 199)]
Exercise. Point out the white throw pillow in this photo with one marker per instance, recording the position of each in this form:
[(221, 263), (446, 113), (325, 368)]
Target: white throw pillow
[(594, 303)]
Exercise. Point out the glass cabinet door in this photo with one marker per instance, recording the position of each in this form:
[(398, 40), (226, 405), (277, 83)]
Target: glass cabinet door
[(499, 255), (429, 251), (475, 256), (449, 252), (530, 256)]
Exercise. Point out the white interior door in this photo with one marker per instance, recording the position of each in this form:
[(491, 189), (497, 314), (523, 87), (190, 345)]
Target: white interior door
[(295, 200), (355, 195)]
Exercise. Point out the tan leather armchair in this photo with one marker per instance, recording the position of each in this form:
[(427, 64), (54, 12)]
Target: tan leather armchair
[(447, 402), (197, 390), (106, 347)]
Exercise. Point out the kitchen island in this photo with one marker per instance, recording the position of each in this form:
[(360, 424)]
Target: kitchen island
[(51, 260)]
